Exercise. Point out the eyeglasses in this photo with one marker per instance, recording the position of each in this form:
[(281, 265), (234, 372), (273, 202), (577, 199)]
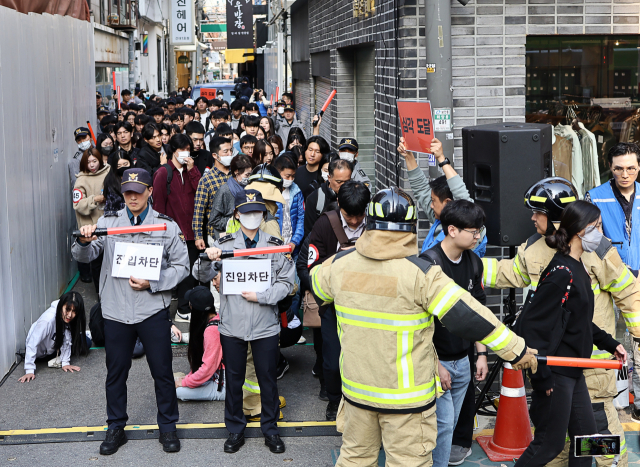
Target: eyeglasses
[(476, 233), (621, 170)]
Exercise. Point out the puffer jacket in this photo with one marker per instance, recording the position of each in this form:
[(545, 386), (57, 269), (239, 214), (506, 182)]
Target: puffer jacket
[(87, 187), (296, 210)]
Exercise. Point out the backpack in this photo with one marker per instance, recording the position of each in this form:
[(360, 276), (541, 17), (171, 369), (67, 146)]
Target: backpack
[(169, 177), (336, 225), (96, 325)]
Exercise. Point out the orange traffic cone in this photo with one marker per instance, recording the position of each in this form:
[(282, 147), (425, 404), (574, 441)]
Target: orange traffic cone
[(512, 434)]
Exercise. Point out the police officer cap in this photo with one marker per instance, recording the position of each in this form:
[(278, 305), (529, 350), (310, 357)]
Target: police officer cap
[(81, 132), (348, 143), (392, 209), (249, 200), (171, 101), (201, 299), (98, 94), (289, 108), (550, 196), (137, 180), (102, 110)]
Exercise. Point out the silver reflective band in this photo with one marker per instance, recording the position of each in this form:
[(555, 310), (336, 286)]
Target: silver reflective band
[(512, 392)]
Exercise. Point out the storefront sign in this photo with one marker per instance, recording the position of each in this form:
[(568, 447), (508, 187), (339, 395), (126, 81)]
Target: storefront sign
[(182, 27), (239, 24), (416, 122)]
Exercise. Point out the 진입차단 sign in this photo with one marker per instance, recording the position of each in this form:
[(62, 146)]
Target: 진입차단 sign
[(245, 275), (137, 260), (416, 123)]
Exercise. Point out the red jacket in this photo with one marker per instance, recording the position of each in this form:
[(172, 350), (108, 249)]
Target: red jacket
[(179, 204)]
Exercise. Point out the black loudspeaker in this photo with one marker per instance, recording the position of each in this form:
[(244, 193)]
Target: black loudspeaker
[(501, 161)]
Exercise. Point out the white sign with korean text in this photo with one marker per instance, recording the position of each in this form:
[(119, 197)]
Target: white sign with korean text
[(137, 260), (182, 28), (245, 275)]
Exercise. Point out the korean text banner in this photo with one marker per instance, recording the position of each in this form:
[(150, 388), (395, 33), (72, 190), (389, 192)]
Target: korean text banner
[(239, 24), (416, 122), (137, 260), (182, 27), (245, 275)]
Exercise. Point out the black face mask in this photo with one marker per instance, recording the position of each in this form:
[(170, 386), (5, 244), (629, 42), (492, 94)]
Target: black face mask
[(106, 150), (121, 170)]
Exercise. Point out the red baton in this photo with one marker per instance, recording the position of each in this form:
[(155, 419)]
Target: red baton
[(277, 93), (325, 106), (251, 252), (580, 362), (92, 134), (271, 101), (125, 230)]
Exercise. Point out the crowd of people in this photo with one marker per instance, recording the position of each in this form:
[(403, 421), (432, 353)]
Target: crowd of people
[(399, 334)]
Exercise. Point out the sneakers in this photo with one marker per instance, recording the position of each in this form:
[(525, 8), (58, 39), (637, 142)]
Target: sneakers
[(283, 367), (185, 337), (170, 441), (302, 340), (174, 337), (55, 362), (112, 442), (275, 443), (635, 413), (458, 455), (233, 443), (180, 318), (332, 411)]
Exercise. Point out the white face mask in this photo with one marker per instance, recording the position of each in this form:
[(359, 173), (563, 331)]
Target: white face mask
[(280, 110), (182, 156), (226, 160), (591, 239), (84, 145), (251, 220), (287, 183), (347, 156), (325, 176), (244, 181)]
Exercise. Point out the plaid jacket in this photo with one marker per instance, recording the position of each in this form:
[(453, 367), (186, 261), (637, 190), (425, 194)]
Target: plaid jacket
[(209, 184)]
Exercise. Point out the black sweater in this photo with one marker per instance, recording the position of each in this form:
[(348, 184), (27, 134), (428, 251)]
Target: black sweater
[(544, 318)]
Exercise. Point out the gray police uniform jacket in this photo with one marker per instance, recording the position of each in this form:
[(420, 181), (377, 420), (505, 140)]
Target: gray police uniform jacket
[(238, 317), (359, 176), (119, 301), (74, 167)]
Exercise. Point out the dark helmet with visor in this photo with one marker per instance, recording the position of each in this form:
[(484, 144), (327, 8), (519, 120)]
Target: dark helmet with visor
[(392, 209)]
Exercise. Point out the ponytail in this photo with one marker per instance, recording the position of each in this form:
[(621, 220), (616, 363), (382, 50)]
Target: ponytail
[(559, 240)]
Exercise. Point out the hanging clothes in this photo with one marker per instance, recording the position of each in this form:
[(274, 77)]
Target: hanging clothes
[(577, 177), (589, 158), (604, 141), (561, 151)]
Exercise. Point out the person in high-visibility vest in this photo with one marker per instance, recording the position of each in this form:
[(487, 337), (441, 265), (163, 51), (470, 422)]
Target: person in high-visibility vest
[(386, 299), (611, 282)]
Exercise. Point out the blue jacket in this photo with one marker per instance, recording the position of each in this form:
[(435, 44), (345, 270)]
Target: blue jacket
[(614, 223), (296, 208), (432, 239)]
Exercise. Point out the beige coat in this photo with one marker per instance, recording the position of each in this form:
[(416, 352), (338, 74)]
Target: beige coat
[(87, 187)]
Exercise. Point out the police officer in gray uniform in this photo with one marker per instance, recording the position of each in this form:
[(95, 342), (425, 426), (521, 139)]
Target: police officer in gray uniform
[(83, 140), (348, 150), (250, 318), (135, 308)]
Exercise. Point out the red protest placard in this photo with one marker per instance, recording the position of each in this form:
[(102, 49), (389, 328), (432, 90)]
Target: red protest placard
[(416, 122), (209, 93)]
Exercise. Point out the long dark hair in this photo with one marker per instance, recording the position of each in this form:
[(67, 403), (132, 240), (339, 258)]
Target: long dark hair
[(576, 217), (197, 326), (77, 326)]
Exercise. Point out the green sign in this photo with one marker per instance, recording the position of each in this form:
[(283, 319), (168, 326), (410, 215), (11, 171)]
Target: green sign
[(183, 59), (213, 27)]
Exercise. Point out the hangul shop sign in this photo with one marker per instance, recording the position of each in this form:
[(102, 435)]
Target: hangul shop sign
[(239, 24), (182, 27)]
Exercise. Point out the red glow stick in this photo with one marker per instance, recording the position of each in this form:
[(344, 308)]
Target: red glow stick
[(277, 93), (118, 96), (326, 104), (271, 101), (580, 362), (92, 133), (126, 230), (113, 74)]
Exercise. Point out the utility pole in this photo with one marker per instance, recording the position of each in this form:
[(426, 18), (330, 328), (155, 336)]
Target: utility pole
[(439, 77)]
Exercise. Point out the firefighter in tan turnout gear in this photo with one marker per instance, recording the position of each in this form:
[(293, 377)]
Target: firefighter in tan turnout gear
[(386, 299), (610, 279)]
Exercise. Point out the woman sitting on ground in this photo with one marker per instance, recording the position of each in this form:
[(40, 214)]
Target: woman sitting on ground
[(59, 334), (205, 381)]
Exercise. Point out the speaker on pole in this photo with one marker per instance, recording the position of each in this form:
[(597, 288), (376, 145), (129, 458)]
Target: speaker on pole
[(501, 161)]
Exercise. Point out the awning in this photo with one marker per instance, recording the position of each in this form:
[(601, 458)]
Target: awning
[(189, 48)]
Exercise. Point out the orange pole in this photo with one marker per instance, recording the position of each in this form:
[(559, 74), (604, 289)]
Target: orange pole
[(92, 133), (580, 362)]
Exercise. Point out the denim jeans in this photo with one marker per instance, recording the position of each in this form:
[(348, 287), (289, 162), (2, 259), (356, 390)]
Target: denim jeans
[(448, 408), (207, 392)]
